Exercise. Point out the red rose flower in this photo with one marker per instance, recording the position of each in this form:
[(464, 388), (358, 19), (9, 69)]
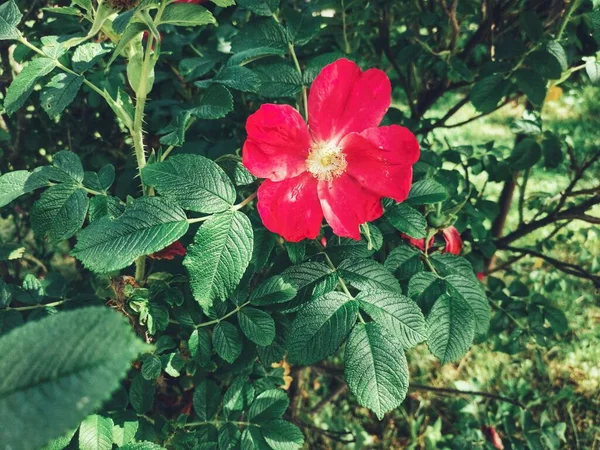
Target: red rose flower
[(340, 166), (170, 252), (451, 237)]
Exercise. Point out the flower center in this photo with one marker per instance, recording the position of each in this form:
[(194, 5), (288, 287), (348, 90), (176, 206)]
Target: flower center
[(326, 161)]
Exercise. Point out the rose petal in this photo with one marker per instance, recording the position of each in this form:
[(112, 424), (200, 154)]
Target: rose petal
[(346, 205), (453, 240), (169, 252), (278, 143), (344, 99), (381, 159), (291, 207)]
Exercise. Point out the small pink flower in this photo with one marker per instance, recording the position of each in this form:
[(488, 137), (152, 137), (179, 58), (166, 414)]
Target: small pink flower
[(340, 166), (323, 242)]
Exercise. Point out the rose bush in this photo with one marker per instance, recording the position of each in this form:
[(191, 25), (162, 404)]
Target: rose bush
[(188, 294)]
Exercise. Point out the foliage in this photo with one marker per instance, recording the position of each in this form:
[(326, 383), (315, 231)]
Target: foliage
[(93, 220)]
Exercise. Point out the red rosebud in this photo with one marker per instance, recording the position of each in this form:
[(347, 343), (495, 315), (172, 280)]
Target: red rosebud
[(493, 437), (170, 252), (323, 242), (480, 276), (453, 240)]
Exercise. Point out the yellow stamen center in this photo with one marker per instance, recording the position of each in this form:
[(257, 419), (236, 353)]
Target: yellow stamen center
[(326, 161)]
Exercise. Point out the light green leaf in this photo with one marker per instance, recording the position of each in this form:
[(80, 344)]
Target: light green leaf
[(260, 7), (375, 369), (450, 328), (10, 17), (219, 255), (126, 425), (142, 446), (404, 262), (22, 86), (60, 212), (148, 225), (407, 220), (592, 68), (426, 192), (132, 31), (193, 182), (87, 55), (268, 405), (282, 435), (273, 290), (85, 355), (367, 274), (227, 341), (60, 93), (85, 4), (14, 184), (474, 295), (216, 103), (238, 397), (186, 15), (96, 433), (61, 442), (63, 10), (320, 327), (206, 400), (399, 315), (257, 325)]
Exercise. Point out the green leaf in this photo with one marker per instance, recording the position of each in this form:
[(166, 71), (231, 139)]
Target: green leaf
[(193, 182), (60, 93), (22, 86), (592, 68), (375, 369), (282, 435), (131, 32), (151, 368), (106, 176), (399, 315), (200, 346), (404, 262), (60, 212), (10, 17), (544, 63), (96, 433), (142, 446), (227, 341), (125, 427), (278, 80), (85, 355), (552, 150), (206, 400), (85, 4), (425, 288), (320, 327), (87, 55), (234, 77), (61, 442), (450, 328), (487, 92), (367, 274), (257, 325), (105, 205), (148, 225), (219, 255), (69, 163), (186, 15), (531, 24), (252, 54), (238, 397), (407, 220), (448, 264), (260, 34), (141, 394), (474, 295), (14, 184), (268, 405), (229, 437), (525, 154), (532, 85), (260, 7), (301, 27), (426, 192), (63, 10), (216, 103), (273, 290)]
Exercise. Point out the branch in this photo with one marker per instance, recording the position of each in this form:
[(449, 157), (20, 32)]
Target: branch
[(565, 267), (339, 390), (420, 387), (451, 13), (555, 216)]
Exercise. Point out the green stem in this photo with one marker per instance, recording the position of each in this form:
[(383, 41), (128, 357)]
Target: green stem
[(30, 307), (563, 25), (304, 94), (217, 422), (340, 279), (245, 202), (347, 48), (229, 314), (61, 66)]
